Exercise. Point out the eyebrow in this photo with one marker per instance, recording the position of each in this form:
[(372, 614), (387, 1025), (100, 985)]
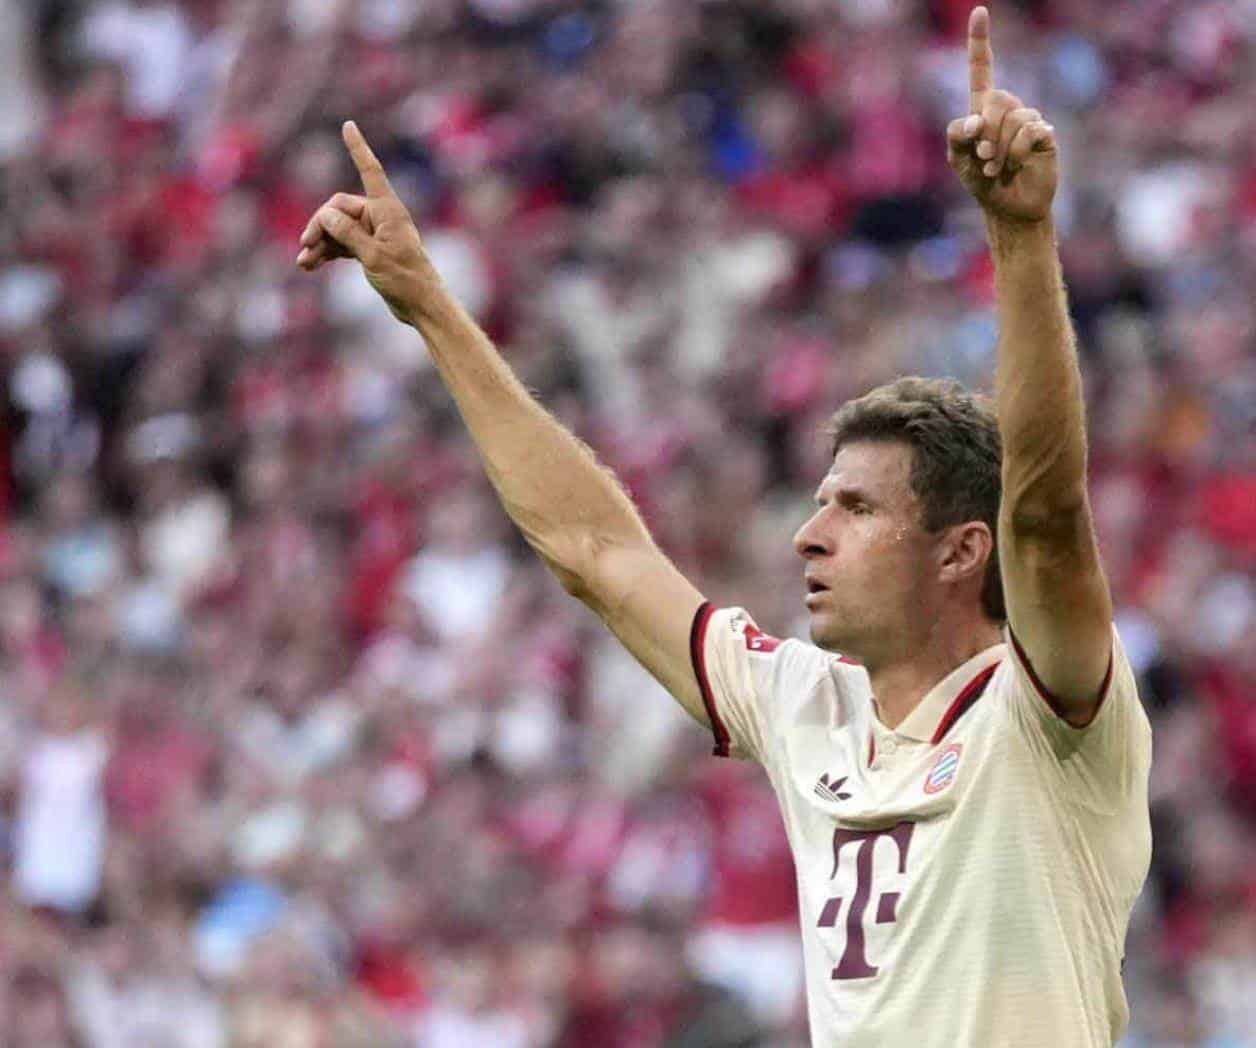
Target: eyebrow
[(847, 494)]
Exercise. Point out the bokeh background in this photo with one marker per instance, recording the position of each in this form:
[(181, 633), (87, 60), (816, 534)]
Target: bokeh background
[(298, 744)]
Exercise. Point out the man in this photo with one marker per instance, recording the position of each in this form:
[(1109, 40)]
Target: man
[(965, 787)]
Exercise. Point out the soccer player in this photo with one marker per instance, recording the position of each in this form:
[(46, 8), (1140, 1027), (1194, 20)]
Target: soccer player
[(965, 785)]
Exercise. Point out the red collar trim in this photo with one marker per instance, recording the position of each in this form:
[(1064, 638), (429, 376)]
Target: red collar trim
[(965, 699)]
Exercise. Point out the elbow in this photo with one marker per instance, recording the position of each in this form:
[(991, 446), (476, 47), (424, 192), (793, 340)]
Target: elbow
[(575, 559), (1062, 518), (567, 559), (1044, 494), (573, 582)]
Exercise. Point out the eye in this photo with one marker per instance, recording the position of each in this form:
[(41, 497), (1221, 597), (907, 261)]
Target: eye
[(859, 509)]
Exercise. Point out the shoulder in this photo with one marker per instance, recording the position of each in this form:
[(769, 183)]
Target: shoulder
[(1105, 762), (778, 670), (758, 688), (742, 631)]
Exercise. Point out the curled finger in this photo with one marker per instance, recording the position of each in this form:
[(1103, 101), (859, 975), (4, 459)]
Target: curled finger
[(312, 233), (1035, 136), (310, 258), (350, 203), (345, 231), (963, 131), (998, 105), (1012, 125)]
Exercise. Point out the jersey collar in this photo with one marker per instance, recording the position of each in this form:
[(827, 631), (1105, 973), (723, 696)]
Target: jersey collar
[(938, 709)]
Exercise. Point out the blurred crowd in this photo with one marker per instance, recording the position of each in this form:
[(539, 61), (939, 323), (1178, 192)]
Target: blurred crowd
[(298, 744)]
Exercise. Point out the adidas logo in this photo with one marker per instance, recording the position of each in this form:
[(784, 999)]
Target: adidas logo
[(831, 791)]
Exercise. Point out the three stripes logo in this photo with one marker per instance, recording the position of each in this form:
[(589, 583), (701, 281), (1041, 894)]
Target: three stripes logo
[(942, 774), (831, 791)]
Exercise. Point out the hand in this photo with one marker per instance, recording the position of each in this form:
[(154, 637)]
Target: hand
[(1003, 152), (376, 229)]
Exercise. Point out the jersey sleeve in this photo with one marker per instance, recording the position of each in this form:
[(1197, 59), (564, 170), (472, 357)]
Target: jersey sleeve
[(1107, 759), (746, 677)]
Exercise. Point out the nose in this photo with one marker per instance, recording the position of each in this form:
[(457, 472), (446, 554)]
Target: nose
[(810, 541)]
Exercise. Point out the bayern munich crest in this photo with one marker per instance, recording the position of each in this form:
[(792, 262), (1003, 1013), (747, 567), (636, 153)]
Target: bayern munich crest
[(942, 773)]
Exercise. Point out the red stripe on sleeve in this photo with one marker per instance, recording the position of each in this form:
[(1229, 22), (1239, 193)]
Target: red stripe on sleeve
[(1055, 705), (697, 653)]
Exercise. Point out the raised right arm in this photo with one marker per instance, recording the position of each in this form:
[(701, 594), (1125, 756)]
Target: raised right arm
[(571, 510)]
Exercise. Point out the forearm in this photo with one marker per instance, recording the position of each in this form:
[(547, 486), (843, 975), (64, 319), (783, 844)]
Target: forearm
[(1038, 385), (549, 482)]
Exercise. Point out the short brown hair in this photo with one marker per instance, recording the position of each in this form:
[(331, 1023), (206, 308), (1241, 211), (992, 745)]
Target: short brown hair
[(956, 470)]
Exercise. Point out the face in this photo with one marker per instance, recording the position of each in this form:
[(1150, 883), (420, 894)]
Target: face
[(869, 583)]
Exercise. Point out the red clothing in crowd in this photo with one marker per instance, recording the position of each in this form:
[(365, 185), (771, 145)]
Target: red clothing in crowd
[(753, 879)]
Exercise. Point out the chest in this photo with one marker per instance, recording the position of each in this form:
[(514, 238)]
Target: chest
[(859, 777), (884, 833)]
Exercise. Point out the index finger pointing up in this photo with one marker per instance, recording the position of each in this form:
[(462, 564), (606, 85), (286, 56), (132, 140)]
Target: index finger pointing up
[(980, 58), (374, 181)]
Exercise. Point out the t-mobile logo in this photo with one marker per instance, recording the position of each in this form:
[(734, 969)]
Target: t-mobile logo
[(854, 962)]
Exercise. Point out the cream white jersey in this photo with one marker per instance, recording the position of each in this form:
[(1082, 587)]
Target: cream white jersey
[(965, 879)]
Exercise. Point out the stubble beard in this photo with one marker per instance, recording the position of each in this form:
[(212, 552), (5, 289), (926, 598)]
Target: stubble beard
[(827, 633)]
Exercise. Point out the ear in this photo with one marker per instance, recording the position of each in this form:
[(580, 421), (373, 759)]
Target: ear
[(964, 550)]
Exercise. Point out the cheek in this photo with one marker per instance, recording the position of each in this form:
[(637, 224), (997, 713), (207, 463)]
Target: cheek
[(890, 556), (888, 541)]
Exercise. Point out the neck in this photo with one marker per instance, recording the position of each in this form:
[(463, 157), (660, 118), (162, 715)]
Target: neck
[(899, 685)]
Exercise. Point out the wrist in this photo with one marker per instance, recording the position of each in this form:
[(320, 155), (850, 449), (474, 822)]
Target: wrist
[(1012, 234), (427, 300)]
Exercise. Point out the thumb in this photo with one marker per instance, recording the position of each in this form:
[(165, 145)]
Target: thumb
[(345, 231)]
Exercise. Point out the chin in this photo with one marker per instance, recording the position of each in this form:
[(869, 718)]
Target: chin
[(825, 635), (833, 633)]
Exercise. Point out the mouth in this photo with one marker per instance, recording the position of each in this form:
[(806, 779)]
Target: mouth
[(815, 591)]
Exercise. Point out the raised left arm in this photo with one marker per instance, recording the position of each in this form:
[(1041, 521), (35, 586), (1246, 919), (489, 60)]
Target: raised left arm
[(1059, 606)]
